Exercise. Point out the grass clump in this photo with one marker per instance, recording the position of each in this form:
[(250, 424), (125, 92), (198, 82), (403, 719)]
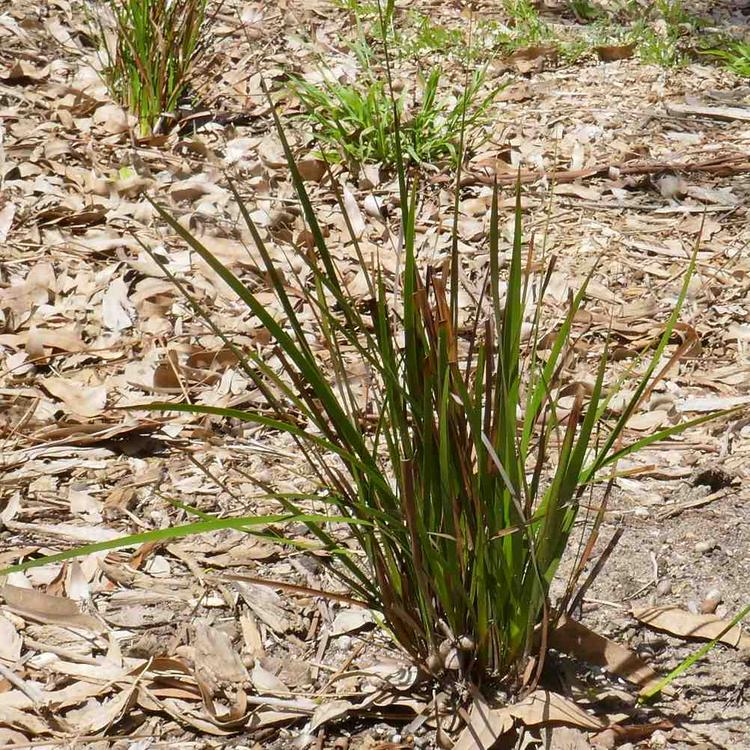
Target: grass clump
[(358, 123), (463, 473), (734, 55), (150, 49)]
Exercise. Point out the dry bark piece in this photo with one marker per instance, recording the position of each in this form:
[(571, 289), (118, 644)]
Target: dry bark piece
[(685, 624), (716, 113)]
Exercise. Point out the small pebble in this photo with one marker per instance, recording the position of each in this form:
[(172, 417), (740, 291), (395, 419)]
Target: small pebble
[(664, 587), (711, 602), (705, 546), (658, 739)]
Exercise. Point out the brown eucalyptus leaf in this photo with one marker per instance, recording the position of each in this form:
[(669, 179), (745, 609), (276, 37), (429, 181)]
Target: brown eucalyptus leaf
[(612, 52), (685, 624), (52, 610), (312, 170), (77, 398), (577, 640), (330, 711)]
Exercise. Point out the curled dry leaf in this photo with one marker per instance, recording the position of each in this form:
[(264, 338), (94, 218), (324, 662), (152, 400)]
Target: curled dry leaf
[(685, 624)]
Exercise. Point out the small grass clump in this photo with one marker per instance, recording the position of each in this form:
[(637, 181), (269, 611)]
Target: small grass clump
[(525, 26), (660, 36), (358, 123), (421, 35), (734, 55), (150, 49)]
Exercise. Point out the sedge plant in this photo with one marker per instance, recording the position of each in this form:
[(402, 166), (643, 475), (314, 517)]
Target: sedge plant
[(150, 51), (462, 478)]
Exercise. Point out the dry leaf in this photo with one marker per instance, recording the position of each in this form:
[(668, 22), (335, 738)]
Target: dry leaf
[(52, 610), (10, 641), (36, 289), (266, 682), (685, 624), (312, 170), (216, 661), (541, 708), (7, 213), (23, 73), (116, 307), (330, 711), (532, 59), (566, 738), (351, 620), (577, 640), (77, 398), (612, 52), (355, 215), (485, 727), (111, 118)]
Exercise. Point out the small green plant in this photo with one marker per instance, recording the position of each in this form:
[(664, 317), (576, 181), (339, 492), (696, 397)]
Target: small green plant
[(150, 49), (420, 35), (735, 56), (584, 10), (657, 48), (525, 26), (358, 123)]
